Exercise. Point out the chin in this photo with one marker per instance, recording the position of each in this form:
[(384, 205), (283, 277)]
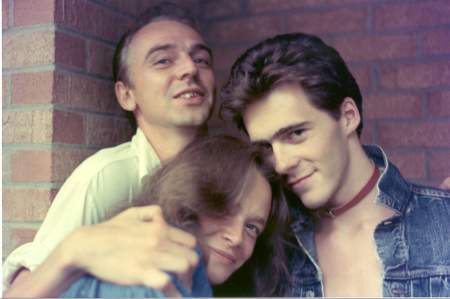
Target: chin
[(217, 278)]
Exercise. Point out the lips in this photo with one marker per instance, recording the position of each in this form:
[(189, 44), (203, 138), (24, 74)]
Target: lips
[(189, 93), (224, 256), (296, 181)]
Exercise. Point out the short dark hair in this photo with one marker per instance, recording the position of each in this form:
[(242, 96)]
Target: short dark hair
[(290, 58), (206, 178), (162, 11)]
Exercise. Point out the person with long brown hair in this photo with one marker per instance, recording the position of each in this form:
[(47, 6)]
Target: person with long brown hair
[(218, 189)]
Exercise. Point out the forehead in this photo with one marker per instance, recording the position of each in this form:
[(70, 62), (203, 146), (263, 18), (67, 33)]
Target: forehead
[(256, 198), (284, 106), (162, 32)]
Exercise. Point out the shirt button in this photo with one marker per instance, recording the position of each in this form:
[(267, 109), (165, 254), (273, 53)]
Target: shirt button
[(309, 293)]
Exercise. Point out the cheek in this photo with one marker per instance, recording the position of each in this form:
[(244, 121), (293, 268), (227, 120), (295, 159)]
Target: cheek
[(247, 249)]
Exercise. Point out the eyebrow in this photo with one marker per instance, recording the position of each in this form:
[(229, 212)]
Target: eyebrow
[(165, 47), (158, 48), (259, 220), (280, 132)]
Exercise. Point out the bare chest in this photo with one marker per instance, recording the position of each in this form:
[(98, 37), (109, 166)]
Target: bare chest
[(350, 264)]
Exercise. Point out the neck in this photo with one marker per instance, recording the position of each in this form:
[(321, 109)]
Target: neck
[(168, 142), (360, 169)]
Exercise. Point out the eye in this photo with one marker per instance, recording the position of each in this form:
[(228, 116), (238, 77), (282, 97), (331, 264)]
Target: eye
[(296, 135), (202, 61), (253, 230), (163, 61), (266, 148)]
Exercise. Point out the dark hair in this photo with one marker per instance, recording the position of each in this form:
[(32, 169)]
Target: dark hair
[(206, 179), (290, 58), (162, 11)]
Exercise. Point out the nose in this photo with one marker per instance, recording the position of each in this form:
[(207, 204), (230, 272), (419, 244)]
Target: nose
[(187, 68), (233, 232), (284, 159)]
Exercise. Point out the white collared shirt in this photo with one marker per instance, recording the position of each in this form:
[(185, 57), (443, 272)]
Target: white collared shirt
[(100, 187)]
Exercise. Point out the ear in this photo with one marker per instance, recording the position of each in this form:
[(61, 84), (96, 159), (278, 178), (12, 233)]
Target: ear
[(124, 96), (350, 116)]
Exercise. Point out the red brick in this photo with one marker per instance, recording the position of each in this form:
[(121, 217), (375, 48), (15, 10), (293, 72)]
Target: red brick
[(13, 237), (414, 134), (410, 163), (107, 131), (94, 20), (33, 126), (32, 12), (439, 104), (78, 91), (70, 50), (244, 29), (437, 42), (5, 14), (26, 204), (224, 57), (361, 74), (28, 49), (376, 47), (68, 127), (392, 106), (439, 164), (6, 90), (330, 21), (99, 60), (32, 88), (137, 7), (258, 6), (418, 75), (409, 14), (64, 161), (221, 8), (31, 166)]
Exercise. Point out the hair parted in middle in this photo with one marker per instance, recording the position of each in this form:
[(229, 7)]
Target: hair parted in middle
[(206, 178), (290, 58)]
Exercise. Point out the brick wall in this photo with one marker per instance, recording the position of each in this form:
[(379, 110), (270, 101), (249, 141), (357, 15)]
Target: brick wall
[(58, 103), (398, 50), (58, 100)]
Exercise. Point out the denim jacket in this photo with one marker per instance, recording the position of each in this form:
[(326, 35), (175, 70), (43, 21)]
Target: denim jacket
[(91, 287), (413, 245)]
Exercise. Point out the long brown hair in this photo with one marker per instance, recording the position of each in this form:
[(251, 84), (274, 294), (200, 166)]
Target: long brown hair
[(206, 179)]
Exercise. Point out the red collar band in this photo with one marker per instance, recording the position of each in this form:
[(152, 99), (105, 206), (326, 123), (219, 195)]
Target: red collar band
[(334, 212)]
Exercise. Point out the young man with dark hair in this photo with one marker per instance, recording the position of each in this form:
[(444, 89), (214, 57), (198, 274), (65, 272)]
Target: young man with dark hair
[(164, 77), (362, 229)]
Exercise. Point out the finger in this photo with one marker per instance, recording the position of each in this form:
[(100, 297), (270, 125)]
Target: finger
[(187, 253), (171, 263), (181, 237), (155, 279)]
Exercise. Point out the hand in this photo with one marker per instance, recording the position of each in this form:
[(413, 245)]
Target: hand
[(135, 247), (445, 184)]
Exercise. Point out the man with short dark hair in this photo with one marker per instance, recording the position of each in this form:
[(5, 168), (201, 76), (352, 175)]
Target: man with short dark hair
[(362, 229), (164, 77)]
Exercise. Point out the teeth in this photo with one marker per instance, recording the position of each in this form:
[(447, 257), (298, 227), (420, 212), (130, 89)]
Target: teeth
[(189, 95)]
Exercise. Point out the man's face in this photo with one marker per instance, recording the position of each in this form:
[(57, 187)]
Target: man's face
[(304, 143), (171, 76)]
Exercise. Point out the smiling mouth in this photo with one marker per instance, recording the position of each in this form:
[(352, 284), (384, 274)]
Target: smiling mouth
[(300, 180), (223, 256)]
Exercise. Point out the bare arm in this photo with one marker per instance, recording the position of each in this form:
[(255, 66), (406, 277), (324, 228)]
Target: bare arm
[(135, 247)]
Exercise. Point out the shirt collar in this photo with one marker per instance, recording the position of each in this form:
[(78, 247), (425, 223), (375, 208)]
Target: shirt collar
[(148, 160), (394, 190)]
